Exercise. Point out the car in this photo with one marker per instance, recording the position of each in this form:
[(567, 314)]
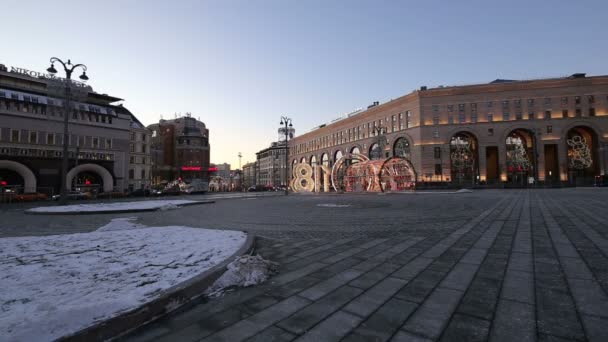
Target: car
[(31, 197), (140, 193), (74, 195)]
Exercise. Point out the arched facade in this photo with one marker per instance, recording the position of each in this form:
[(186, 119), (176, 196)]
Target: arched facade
[(108, 180), (464, 158), (401, 148), (29, 179), (521, 163), (582, 155)]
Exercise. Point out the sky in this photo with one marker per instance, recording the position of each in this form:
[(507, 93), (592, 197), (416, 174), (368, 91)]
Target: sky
[(241, 65)]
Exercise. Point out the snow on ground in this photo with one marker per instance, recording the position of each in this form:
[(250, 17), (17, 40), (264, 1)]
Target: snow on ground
[(115, 206), (52, 286)]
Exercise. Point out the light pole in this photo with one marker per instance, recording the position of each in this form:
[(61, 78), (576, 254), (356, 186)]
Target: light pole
[(287, 126), (379, 132), (68, 68)]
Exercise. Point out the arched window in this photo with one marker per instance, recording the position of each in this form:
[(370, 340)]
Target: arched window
[(375, 152), (325, 159), (338, 156), (355, 150), (402, 148), (303, 160), (313, 161)]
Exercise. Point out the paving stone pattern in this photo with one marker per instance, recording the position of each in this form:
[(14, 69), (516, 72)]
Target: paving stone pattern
[(493, 265)]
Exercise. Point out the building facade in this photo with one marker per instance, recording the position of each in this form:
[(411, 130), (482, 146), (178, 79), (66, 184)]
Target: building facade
[(249, 175), (545, 131), (140, 163), (31, 135), (180, 149), (271, 165)]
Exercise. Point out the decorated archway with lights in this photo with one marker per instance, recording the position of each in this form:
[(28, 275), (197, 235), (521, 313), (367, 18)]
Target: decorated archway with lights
[(582, 152), (464, 160), (87, 174), (16, 174), (520, 158)]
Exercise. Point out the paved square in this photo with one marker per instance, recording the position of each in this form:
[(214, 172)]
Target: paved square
[(497, 265)]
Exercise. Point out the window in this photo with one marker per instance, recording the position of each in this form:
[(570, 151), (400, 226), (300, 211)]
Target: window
[(547, 114), (95, 142), (490, 132), (131, 174), (409, 124), (518, 103), (519, 115), (547, 101), (505, 116), (490, 117), (435, 120), (577, 100), (578, 113), (437, 152), (436, 133), (461, 117), (14, 135), (473, 117), (451, 119), (505, 104), (143, 148), (530, 102), (490, 104), (591, 99), (132, 148), (108, 143), (591, 111), (132, 136), (408, 113), (549, 129), (564, 100), (50, 139), (33, 137), (132, 160), (531, 116), (461, 107), (564, 113), (450, 108), (143, 174), (435, 108), (473, 107), (81, 141)]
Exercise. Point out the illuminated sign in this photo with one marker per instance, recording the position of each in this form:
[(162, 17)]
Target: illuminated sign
[(191, 168), (212, 169)]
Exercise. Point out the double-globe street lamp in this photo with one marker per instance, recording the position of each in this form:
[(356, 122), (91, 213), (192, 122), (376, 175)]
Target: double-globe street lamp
[(68, 68), (287, 127)]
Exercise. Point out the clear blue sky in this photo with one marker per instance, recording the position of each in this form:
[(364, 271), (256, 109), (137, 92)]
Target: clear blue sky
[(240, 65)]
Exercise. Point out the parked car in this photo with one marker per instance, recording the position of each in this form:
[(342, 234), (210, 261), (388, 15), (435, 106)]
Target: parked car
[(140, 193), (74, 195), (31, 197)]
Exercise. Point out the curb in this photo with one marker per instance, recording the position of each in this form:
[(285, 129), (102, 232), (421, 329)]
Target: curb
[(173, 299), (111, 211)]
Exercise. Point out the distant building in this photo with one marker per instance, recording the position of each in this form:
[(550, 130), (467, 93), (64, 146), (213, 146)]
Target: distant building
[(249, 174), (271, 165), (139, 155), (180, 149)]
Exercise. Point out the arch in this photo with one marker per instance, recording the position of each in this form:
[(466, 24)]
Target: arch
[(29, 180), (325, 159), (108, 181), (375, 152), (520, 147), (303, 160), (356, 149), (401, 148), (337, 155), (464, 157), (582, 124), (582, 155), (313, 160)]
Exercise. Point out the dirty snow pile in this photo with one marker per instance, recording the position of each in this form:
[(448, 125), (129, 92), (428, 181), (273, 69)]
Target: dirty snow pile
[(114, 206), (56, 285), (246, 270)]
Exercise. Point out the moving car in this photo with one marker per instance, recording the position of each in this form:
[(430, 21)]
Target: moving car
[(74, 195)]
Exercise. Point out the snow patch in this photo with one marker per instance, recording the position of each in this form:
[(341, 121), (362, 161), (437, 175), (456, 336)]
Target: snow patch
[(244, 271), (56, 285), (114, 206)]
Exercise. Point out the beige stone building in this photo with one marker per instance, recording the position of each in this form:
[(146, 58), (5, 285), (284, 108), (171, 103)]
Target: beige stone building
[(544, 131)]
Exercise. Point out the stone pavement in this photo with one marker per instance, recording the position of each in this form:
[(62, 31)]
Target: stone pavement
[(518, 265), (497, 265)]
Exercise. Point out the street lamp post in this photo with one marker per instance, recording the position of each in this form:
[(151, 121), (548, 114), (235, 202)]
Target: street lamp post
[(68, 68), (287, 125)]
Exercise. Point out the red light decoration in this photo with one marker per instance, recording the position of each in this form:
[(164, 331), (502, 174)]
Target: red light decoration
[(87, 182), (191, 168), (212, 169), (3, 183)]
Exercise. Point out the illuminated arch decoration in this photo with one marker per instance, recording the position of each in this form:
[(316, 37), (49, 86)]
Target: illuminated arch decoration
[(397, 174), (520, 151), (579, 153), (29, 180), (108, 181), (463, 157), (338, 171)]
